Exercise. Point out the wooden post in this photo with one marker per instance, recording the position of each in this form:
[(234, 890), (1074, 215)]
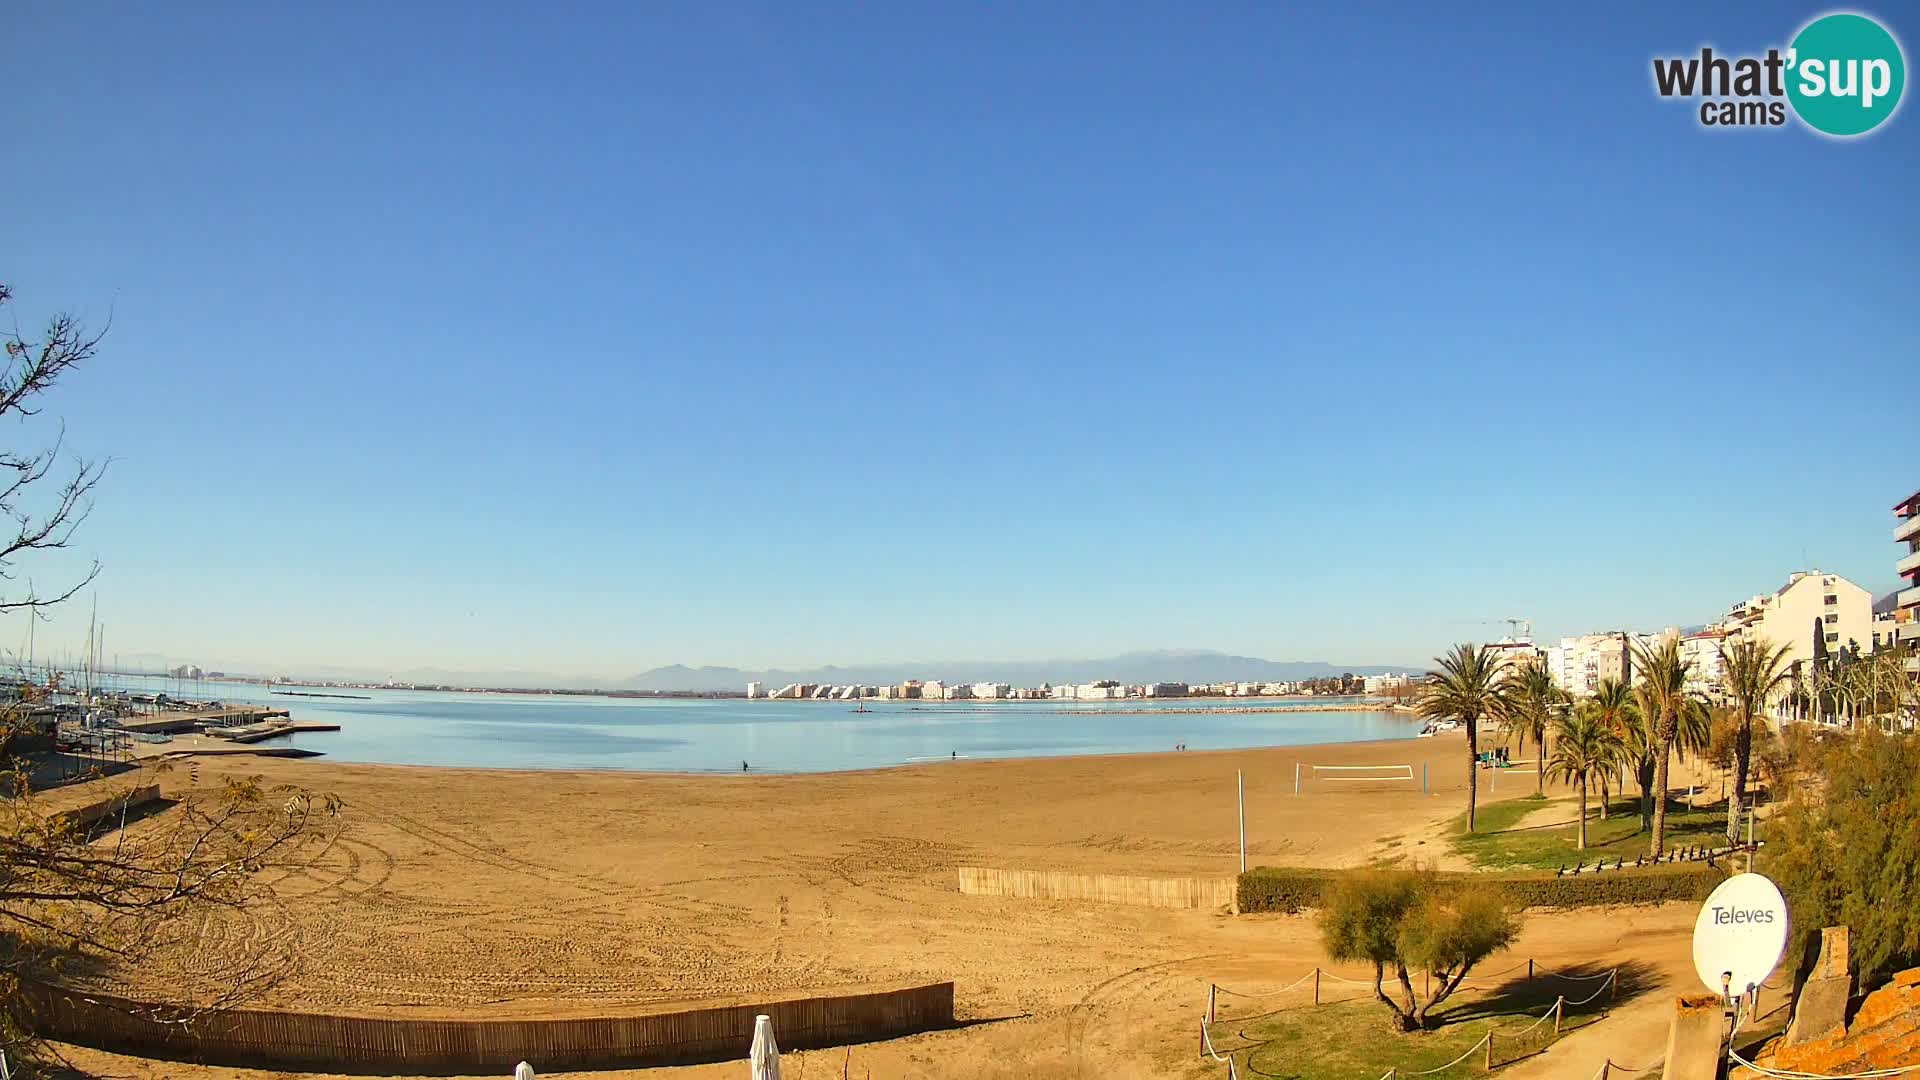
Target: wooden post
[(1489, 1051), (1559, 1010), (1529, 967), (1212, 992), (1429, 984), (1316, 986), (1240, 781)]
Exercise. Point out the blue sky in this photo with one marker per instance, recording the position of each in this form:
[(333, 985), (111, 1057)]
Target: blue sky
[(601, 337)]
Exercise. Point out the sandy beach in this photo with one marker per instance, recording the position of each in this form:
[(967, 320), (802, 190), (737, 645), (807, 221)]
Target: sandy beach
[(450, 892)]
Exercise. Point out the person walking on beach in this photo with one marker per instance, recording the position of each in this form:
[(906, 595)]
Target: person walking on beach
[(743, 766)]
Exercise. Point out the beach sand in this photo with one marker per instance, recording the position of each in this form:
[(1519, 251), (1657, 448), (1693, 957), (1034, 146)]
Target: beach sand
[(453, 892)]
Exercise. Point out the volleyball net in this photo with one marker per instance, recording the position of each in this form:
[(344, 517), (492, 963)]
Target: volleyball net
[(1304, 773)]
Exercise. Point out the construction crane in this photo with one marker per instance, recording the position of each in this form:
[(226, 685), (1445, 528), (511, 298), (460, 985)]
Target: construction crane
[(1517, 629)]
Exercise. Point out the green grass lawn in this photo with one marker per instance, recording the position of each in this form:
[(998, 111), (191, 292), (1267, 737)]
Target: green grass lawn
[(1353, 1040), (1498, 842)]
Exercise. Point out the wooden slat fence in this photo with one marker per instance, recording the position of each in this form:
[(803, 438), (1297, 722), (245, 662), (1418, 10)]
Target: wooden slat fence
[(353, 1044), (1104, 888), (85, 816)]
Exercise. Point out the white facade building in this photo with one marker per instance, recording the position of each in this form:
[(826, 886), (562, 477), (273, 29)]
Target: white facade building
[(1841, 611)]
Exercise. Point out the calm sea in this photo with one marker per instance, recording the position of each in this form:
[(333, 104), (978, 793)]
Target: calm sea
[(539, 731)]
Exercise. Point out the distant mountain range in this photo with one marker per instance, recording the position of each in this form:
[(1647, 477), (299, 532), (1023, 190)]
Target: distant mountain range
[(1159, 665)]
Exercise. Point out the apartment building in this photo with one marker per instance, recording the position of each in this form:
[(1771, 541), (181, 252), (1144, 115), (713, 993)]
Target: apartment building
[(1812, 611), (1705, 666), (1906, 610)]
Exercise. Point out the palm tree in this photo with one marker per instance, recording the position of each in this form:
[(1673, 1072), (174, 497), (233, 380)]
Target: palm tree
[(1584, 747), (1663, 684), (1528, 703), (1635, 728), (1613, 704), (1466, 688), (1753, 674)]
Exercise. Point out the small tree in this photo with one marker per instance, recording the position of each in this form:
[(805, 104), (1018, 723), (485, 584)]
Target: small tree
[(1450, 933), (1399, 919), (1361, 922)]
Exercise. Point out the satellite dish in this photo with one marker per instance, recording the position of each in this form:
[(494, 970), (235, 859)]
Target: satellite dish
[(1740, 935)]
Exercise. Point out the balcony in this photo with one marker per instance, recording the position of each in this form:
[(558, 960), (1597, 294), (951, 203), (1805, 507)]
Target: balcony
[(1908, 598), (1907, 529), (1908, 565)]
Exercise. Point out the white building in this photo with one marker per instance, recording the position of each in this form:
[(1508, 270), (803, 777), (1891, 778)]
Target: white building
[(1579, 664), (990, 690), (1811, 603), (934, 690), (753, 690), (1705, 668), (1164, 689), (1380, 684), (1906, 602)]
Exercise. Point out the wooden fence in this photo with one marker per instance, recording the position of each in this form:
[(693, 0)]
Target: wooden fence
[(86, 816), (1104, 888), (355, 1044)]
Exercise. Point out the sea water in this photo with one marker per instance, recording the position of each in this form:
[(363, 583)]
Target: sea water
[(564, 731)]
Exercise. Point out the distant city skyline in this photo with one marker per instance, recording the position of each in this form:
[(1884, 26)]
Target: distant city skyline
[(740, 334)]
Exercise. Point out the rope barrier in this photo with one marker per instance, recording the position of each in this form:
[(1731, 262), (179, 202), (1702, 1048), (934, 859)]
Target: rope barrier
[(1206, 1043), (1602, 989), (1271, 993), (1556, 1012), (1486, 977), (1607, 1067), (1429, 1072), (1872, 1074), (1579, 978)]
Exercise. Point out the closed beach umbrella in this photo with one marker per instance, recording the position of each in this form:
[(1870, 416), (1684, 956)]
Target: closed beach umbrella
[(523, 1071), (766, 1053)]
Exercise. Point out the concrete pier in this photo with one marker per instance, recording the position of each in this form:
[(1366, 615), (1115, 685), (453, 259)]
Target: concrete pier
[(169, 723)]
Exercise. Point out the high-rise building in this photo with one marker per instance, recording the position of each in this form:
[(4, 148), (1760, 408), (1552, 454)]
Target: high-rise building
[(1906, 609), (753, 690)]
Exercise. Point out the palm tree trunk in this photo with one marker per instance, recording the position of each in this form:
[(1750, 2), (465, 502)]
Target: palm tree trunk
[(1660, 766), (1540, 762), (1606, 793), (1742, 751), (1583, 811), (1473, 769)]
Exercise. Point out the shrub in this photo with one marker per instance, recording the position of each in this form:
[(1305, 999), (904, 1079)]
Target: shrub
[(1291, 890), (1400, 919)]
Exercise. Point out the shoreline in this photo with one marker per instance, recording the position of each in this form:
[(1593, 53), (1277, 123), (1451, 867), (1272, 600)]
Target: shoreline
[(321, 760)]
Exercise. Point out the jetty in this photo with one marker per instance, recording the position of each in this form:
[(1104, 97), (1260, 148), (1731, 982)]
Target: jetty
[(272, 729), (210, 720)]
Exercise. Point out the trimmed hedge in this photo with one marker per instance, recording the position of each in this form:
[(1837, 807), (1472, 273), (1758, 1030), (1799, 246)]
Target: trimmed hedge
[(1288, 889)]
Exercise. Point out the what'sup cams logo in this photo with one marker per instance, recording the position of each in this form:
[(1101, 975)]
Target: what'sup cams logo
[(1842, 76)]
